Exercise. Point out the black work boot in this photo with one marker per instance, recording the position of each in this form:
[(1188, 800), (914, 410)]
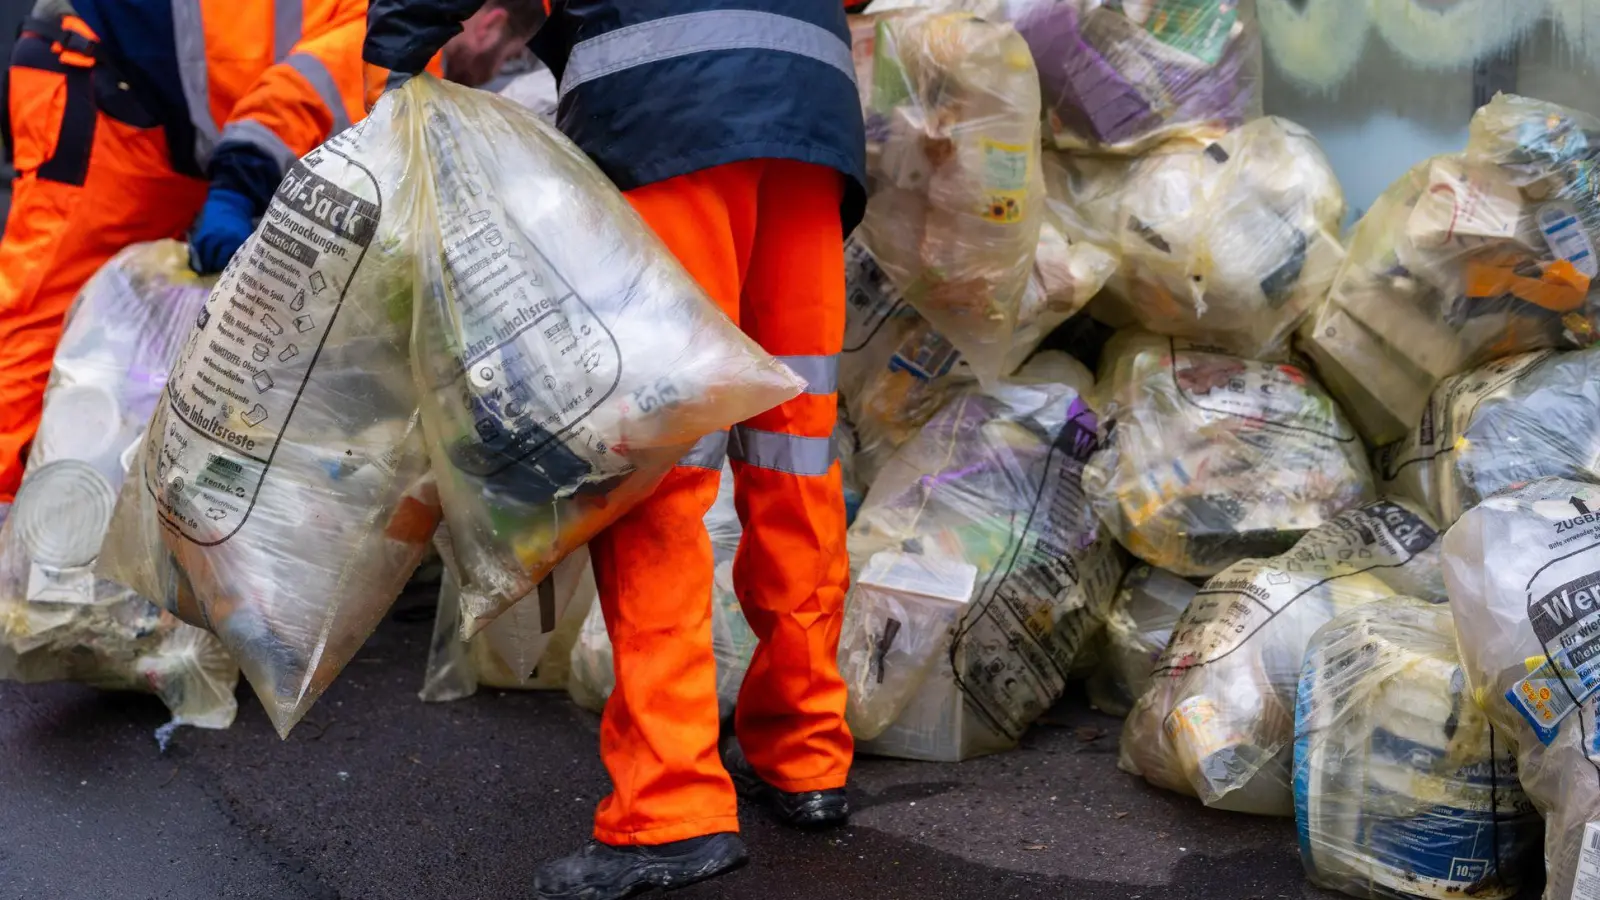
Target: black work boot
[(806, 810), (603, 872)]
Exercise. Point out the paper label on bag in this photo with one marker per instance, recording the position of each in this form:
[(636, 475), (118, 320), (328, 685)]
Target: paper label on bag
[(47, 584), (241, 373), (1586, 883), (1005, 180), (1563, 232), (924, 576)]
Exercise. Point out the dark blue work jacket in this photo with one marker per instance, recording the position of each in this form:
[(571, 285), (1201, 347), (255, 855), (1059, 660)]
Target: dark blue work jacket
[(652, 89)]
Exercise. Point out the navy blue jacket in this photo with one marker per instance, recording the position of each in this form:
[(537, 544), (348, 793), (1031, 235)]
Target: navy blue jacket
[(137, 37), (652, 89)]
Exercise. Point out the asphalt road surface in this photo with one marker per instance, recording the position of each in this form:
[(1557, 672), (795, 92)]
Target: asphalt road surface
[(378, 795)]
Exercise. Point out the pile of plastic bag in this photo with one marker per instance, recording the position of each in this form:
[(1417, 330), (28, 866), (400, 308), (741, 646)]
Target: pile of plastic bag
[(58, 621), (982, 572), (1119, 75), (1217, 721), (1210, 459), (564, 362), (1231, 242), (1402, 789), (1468, 258), (1138, 628), (1530, 416), (1523, 570), (958, 193), (591, 677)]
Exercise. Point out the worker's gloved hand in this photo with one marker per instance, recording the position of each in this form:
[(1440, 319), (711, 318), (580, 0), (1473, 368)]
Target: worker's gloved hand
[(224, 224)]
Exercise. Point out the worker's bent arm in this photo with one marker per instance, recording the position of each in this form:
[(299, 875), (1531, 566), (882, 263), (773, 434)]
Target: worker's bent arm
[(402, 35)]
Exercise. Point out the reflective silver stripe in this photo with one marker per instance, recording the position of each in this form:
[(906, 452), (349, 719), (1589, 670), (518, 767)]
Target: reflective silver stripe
[(396, 79), (288, 17), (708, 453), (317, 73), (820, 372), (781, 452), (190, 31), (699, 32), (254, 134)]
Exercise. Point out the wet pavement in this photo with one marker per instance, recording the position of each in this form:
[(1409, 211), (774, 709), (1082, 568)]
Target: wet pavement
[(378, 795)]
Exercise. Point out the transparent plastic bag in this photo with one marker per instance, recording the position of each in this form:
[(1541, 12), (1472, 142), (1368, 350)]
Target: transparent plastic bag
[(591, 676), (1217, 721), (1522, 568), (566, 360), (991, 482), (1401, 787), (1530, 416), (57, 620), (958, 194), (528, 647), (1124, 75), (1143, 614), (1466, 259), (896, 371), (1231, 243), (281, 498), (1210, 459)]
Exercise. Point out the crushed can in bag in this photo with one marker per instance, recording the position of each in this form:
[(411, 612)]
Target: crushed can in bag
[(1138, 628), (282, 496), (1467, 258), (1523, 570), (1231, 242), (958, 193), (527, 647), (58, 621), (1534, 415), (1217, 721), (1402, 788), (1120, 76), (1211, 458), (990, 488), (565, 360)]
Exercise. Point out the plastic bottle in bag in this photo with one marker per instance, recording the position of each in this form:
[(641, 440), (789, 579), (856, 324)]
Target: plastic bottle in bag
[(527, 647), (1402, 789), (1467, 258), (1217, 721), (565, 359), (1210, 458), (1523, 568), (1121, 76), (281, 498), (1143, 614), (1231, 242), (958, 194), (58, 621), (1524, 417), (991, 488)]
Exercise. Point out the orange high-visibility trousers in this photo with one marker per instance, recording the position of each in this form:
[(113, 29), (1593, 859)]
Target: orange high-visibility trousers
[(92, 178), (763, 237)]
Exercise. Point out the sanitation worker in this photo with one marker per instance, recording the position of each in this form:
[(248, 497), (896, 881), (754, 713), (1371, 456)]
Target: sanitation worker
[(735, 130)]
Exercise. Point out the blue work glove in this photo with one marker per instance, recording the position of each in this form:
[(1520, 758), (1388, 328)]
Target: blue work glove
[(225, 222)]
